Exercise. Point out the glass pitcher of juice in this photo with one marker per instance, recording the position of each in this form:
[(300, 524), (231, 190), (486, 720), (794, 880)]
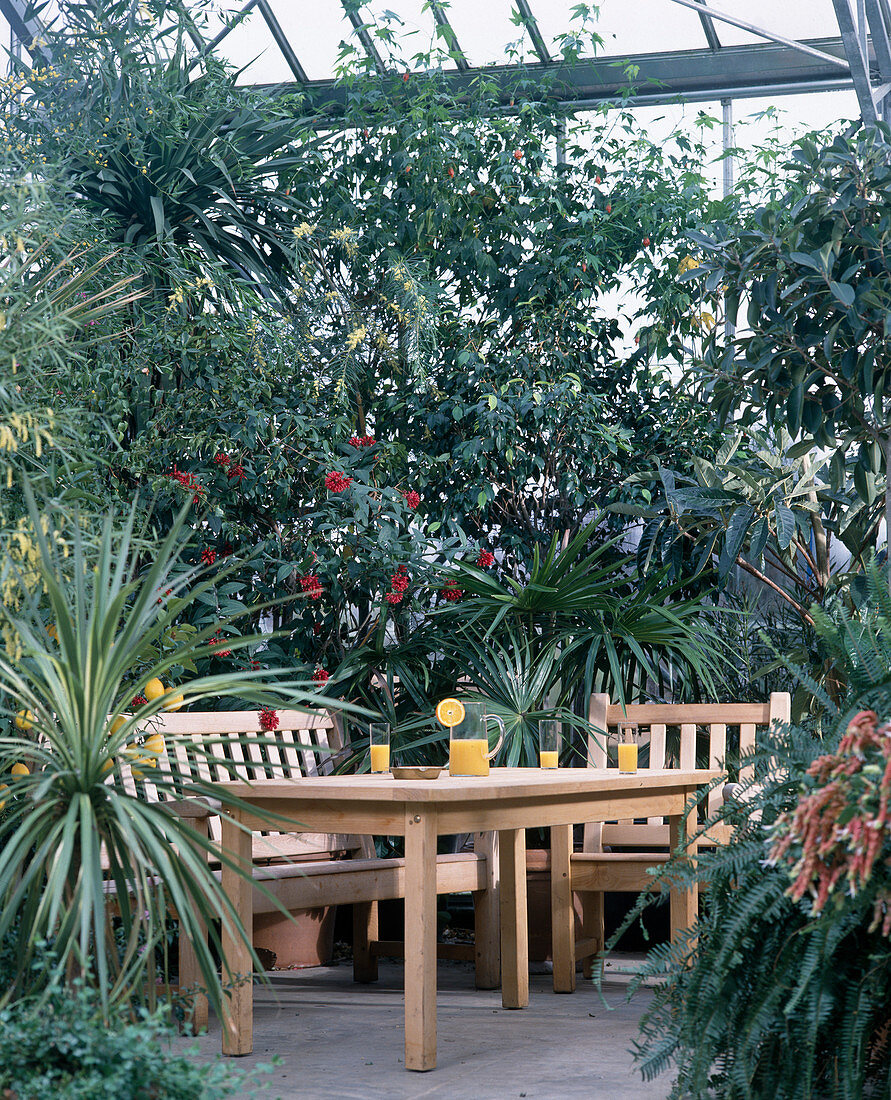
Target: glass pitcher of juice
[(469, 752)]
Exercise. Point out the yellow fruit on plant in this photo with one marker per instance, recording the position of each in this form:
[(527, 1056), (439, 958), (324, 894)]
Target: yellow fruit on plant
[(3, 789), (450, 712), (107, 765), (20, 769), (53, 632), (117, 722), (24, 720), (154, 743), (146, 755), (175, 701), (154, 689)]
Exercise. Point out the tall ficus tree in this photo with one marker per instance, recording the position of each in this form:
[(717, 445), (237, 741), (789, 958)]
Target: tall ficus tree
[(815, 274)]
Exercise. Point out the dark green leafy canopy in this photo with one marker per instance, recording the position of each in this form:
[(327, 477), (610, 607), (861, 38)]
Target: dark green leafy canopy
[(813, 274)]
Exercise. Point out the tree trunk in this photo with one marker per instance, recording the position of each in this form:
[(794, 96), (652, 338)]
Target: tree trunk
[(888, 502)]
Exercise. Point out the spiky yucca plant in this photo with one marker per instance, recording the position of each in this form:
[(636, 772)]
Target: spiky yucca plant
[(88, 867)]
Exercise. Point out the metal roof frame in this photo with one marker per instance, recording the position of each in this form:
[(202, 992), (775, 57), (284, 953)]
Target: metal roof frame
[(860, 57)]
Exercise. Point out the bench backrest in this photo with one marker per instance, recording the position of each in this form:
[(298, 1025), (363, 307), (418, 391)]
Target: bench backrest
[(673, 734), (207, 745)]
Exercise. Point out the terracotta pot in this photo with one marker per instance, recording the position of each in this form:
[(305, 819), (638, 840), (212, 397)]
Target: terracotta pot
[(308, 940), (538, 900)]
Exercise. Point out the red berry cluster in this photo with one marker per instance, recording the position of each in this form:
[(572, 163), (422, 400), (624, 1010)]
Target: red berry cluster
[(188, 481), (320, 676), (236, 472), (208, 556), (254, 664), (138, 701), (399, 583), (218, 640), (317, 628), (518, 154), (227, 550), (485, 559), (336, 482), (268, 719), (361, 441), (311, 586), (452, 592), (222, 460), (169, 592), (412, 499)]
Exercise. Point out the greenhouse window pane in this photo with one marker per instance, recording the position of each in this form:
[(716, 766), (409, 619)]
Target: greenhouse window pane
[(417, 31), (485, 32), (250, 47), (315, 31), (655, 25), (797, 19)]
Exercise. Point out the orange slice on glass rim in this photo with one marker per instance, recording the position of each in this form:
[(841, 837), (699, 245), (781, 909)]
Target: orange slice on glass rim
[(450, 712)]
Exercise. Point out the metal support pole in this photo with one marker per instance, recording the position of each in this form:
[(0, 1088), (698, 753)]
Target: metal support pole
[(727, 143)]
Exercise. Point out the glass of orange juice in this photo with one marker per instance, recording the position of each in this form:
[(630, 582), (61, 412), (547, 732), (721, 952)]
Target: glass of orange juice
[(379, 736), (628, 747), (550, 735), (468, 725)]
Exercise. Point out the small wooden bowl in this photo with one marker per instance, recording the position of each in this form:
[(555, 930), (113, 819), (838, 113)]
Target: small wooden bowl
[(430, 772)]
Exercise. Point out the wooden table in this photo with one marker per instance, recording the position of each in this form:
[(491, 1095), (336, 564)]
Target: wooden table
[(508, 802)]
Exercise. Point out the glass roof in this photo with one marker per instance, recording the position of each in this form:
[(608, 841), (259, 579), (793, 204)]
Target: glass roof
[(492, 32)]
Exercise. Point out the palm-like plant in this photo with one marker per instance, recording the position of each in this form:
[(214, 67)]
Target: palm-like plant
[(77, 847), (605, 628), (179, 160)]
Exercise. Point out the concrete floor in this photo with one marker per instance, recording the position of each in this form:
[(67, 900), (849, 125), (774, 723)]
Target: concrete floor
[(341, 1041)]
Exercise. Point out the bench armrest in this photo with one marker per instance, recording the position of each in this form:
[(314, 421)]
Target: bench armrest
[(194, 808)]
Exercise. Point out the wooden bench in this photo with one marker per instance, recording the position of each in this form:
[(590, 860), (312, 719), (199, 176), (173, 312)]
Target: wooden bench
[(615, 856), (310, 870)]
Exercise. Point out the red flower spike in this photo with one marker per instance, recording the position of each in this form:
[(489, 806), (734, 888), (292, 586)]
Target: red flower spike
[(412, 499), (236, 472), (311, 586), (222, 460), (393, 597), (208, 556), (452, 592), (361, 441), (336, 481), (268, 719), (138, 701), (218, 640), (485, 559), (320, 676)]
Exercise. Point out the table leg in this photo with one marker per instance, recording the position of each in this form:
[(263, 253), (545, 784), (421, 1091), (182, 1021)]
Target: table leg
[(486, 918), (514, 929), (190, 978), (238, 1007), (562, 910), (684, 904), (420, 938)]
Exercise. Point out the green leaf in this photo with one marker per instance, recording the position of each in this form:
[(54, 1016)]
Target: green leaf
[(843, 292), (785, 521)]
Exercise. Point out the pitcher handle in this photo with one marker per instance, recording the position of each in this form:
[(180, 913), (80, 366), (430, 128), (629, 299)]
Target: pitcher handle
[(495, 718)]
